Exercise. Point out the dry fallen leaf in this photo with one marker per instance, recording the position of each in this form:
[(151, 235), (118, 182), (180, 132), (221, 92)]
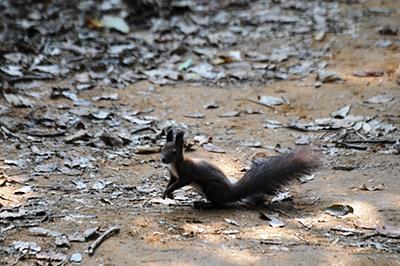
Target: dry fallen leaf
[(271, 100), (369, 187), (18, 100), (388, 230), (230, 114), (116, 23), (339, 210), (342, 112), (195, 115), (212, 148), (273, 221), (382, 98), (231, 221), (327, 76), (368, 73)]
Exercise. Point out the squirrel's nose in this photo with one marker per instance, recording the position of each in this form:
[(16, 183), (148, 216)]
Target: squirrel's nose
[(163, 160)]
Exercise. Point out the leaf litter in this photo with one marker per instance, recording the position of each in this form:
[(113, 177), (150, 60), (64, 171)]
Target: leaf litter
[(104, 50)]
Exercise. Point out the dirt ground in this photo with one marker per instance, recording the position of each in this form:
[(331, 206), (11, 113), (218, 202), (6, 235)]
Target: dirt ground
[(155, 232)]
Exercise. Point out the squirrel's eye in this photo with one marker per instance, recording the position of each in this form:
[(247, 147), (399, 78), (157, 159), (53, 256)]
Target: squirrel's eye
[(174, 151)]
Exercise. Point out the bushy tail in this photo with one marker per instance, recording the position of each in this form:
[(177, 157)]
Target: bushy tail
[(269, 175)]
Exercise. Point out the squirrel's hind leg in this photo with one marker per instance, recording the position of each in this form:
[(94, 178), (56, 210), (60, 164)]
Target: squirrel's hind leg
[(218, 193), (201, 205)]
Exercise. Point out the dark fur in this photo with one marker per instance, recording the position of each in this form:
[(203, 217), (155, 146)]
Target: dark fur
[(269, 175), (265, 176)]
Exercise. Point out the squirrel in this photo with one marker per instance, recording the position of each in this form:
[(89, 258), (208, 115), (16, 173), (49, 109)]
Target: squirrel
[(264, 177)]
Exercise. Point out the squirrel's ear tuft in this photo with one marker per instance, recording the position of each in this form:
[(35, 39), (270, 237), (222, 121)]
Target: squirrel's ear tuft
[(179, 138), (170, 135)]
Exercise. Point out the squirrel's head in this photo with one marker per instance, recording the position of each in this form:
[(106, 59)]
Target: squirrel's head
[(172, 150)]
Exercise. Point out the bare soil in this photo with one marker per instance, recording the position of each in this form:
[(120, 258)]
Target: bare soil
[(154, 233)]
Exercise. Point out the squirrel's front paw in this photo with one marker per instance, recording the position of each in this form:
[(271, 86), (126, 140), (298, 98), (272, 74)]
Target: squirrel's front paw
[(200, 205), (170, 196)]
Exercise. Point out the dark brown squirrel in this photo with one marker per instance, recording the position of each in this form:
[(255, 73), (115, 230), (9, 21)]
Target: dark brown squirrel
[(264, 177)]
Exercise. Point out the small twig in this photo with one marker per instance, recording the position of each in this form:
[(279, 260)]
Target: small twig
[(315, 200), (9, 179), (350, 145), (45, 134), (14, 226), (306, 226), (7, 199), (256, 102), (360, 226), (323, 135), (24, 253), (370, 235), (258, 246), (361, 136), (30, 77), (373, 141), (146, 201), (302, 238), (60, 188), (9, 133), (270, 242), (279, 211), (11, 227), (91, 249)]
